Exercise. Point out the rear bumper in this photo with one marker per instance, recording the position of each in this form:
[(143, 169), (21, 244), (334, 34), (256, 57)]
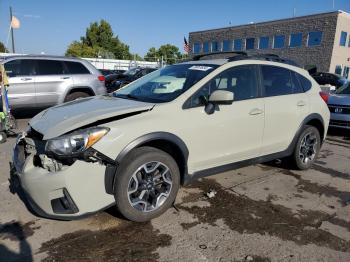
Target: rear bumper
[(74, 192)]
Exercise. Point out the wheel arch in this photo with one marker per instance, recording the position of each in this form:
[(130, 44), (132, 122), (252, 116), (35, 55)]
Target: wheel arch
[(316, 121), (167, 142), (85, 89)]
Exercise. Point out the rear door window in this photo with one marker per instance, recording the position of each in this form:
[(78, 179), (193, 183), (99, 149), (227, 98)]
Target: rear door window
[(50, 67), (20, 67), (76, 68), (276, 81)]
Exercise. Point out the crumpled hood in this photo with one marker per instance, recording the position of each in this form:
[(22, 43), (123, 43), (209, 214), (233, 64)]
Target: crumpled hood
[(338, 99), (67, 117)]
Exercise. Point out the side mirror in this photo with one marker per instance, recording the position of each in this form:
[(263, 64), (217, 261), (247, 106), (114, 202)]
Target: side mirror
[(221, 97), (218, 97)]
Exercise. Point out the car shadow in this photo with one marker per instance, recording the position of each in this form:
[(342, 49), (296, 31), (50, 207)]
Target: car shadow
[(14, 231), (344, 133), (27, 113)]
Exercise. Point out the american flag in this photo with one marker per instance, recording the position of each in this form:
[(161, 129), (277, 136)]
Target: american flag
[(187, 48)]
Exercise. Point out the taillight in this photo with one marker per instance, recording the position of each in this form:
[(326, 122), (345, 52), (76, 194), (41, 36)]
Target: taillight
[(101, 78), (324, 96)]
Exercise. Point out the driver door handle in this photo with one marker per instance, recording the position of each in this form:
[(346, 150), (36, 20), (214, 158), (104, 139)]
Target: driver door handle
[(256, 111)]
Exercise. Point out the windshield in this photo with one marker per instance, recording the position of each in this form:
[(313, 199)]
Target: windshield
[(344, 89), (132, 71), (166, 84)]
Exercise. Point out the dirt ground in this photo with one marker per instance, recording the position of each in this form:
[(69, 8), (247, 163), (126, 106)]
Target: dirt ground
[(259, 213)]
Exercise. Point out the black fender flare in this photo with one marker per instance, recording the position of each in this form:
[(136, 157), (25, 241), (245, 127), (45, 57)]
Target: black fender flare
[(111, 170), (313, 116)]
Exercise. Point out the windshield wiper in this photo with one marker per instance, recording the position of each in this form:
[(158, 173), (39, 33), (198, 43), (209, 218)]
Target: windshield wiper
[(128, 96)]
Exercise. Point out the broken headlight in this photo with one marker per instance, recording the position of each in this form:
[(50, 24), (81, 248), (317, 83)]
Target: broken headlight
[(76, 142)]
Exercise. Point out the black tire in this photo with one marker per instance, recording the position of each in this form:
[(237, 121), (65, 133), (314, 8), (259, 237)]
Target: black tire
[(3, 137), (297, 160), (75, 95), (131, 163)]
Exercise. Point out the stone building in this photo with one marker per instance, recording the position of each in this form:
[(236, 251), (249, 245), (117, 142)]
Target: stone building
[(321, 40)]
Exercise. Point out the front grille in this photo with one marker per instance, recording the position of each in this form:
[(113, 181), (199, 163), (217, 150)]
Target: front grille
[(340, 123), (339, 109)]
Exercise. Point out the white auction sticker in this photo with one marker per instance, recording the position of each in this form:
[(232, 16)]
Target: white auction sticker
[(200, 68)]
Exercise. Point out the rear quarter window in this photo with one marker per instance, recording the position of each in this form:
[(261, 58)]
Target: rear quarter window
[(305, 83), (76, 68)]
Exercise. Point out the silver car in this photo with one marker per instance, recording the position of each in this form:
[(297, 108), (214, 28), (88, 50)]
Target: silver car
[(339, 105), (44, 81)]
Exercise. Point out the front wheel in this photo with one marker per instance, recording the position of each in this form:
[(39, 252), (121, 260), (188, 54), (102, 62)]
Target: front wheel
[(146, 184), (307, 148)]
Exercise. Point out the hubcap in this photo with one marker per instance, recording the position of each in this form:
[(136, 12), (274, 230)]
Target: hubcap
[(308, 148), (149, 187)]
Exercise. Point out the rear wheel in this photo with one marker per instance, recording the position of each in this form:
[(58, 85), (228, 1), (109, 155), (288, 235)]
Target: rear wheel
[(75, 95), (3, 137), (146, 184), (307, 148)]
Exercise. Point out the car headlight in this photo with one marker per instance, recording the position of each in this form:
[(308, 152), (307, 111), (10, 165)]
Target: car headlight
[(76, 142)]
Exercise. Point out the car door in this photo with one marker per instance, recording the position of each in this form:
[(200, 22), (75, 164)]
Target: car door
[(51, 82), (233, 132), (21, 91), (286, 106)]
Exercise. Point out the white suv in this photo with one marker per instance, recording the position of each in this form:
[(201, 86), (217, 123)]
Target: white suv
[(135, 148)]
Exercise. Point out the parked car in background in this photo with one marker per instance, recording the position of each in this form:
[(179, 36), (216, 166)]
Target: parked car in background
[(329, 79), (185, 121), (44, 81), (107, 72), (339, 106), (116, 81)]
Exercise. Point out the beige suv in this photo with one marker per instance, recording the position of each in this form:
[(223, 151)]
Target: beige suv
[(135, 148)]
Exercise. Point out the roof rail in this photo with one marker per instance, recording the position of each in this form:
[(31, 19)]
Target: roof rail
[(266, 57), (240, 53)]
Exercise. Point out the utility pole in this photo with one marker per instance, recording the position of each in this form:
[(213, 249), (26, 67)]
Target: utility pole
[(13, 40)]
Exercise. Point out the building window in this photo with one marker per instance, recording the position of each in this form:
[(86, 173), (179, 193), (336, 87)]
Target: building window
[(314, 38), (278, 41), (206, 47), (249, 43), (214, 46), (343, 37), (296, 40), (237, 45), (338, 69), (264, 42), (196, 48), (226, 45)]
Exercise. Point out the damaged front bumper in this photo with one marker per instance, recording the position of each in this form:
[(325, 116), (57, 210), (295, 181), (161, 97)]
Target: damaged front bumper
[(56, 190)]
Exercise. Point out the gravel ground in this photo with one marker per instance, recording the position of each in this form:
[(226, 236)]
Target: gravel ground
[(259, 213)]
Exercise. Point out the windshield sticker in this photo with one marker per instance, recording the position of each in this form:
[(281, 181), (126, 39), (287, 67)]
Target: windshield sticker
[(200, 68)]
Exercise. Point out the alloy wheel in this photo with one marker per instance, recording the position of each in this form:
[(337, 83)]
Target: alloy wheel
[(308, 148), (149, 186)]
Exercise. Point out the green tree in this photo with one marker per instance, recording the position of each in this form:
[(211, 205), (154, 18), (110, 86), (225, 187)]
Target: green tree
[(3, 48), (152, 55), (170, 54), (99, 41)]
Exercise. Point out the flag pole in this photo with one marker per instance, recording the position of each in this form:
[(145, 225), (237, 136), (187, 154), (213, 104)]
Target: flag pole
[(13, 40)]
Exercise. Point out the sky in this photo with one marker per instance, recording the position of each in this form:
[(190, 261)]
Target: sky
[(50, 26)]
